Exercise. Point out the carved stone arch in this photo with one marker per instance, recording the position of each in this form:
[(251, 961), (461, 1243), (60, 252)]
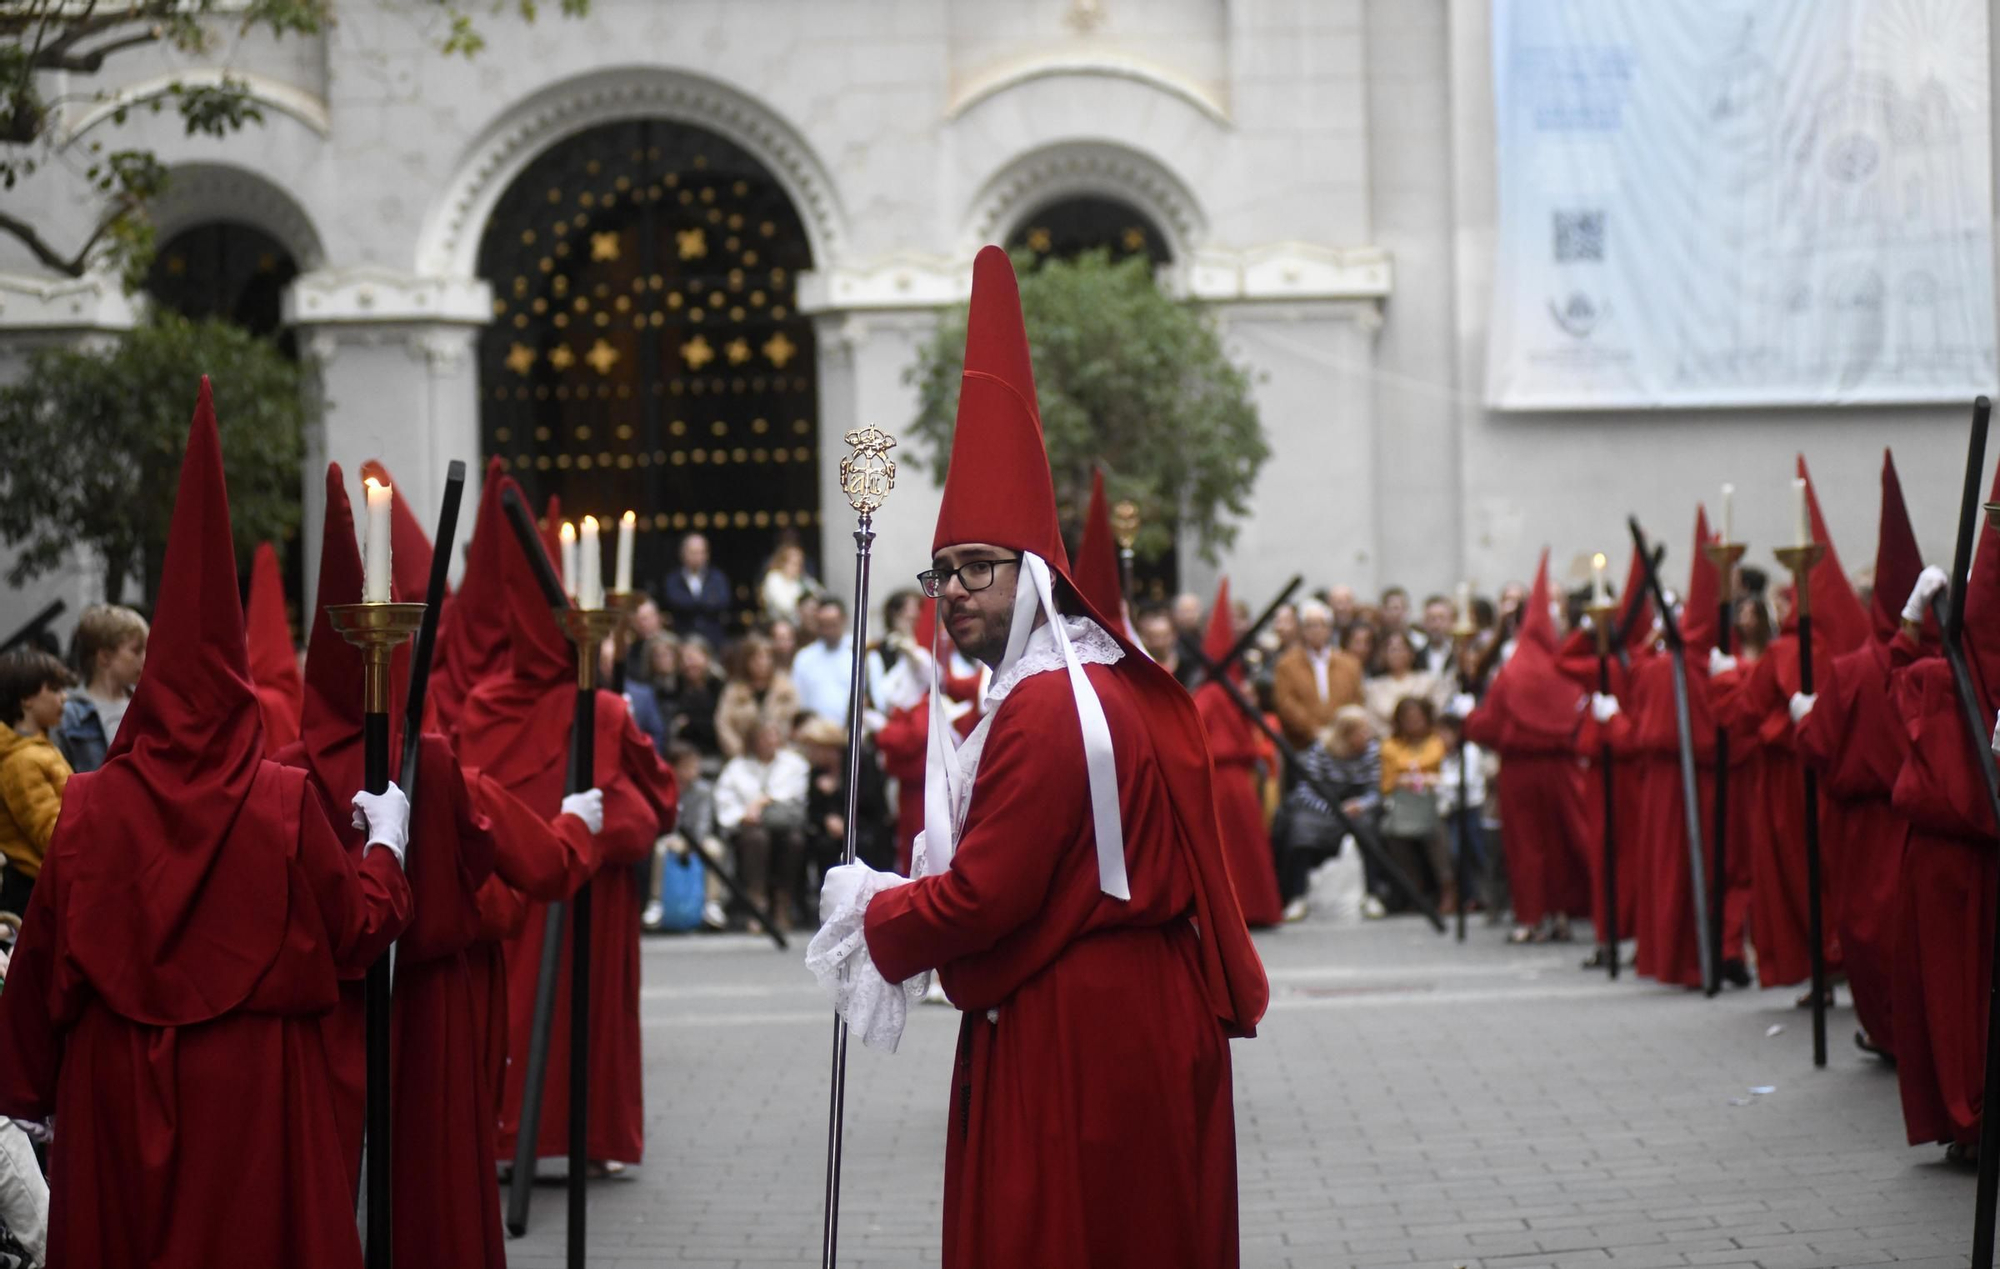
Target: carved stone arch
[(1069, 169), (198, 193), (449, 244)]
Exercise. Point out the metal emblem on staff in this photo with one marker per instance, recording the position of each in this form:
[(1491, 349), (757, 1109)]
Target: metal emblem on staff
[(866, 477)]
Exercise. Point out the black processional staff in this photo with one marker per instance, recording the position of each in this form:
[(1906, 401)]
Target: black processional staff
[(1603, 614), (866, 477), (377, 626), (1725, 553), (1690, 785), (1800, 559)]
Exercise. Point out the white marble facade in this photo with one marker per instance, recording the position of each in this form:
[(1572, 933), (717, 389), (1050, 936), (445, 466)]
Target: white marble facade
[(1322, 170)]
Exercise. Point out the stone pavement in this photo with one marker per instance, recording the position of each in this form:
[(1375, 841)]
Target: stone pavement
[(1408, 1101)]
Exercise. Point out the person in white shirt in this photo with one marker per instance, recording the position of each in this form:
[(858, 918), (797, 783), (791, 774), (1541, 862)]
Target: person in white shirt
[(822, 670), (760, 805)]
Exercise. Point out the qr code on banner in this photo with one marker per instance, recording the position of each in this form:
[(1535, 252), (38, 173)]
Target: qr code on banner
[(1579, 236)]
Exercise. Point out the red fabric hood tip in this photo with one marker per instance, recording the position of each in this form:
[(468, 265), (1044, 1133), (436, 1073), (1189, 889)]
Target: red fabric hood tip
[(1897, 557), (1098, 576), (538, 651), (998, 490), (331, 728), (1635, 612), (1537, 627), (274, 661), (472, 629), (1704, 593), (1221, 634), (1536, 696), (1837, 614), (1982, 606), (174, 913), (410, 552)]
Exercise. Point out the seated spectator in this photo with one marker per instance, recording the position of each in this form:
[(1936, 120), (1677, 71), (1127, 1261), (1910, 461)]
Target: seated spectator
[(784, 637), (1346, 761), (823, 670), (697, 695), (644, 625), (1159, 639), (1313, 680), (760, 805), (1412, 830), (1400, 678), (662, 658), (110, 654), (824, 746), (785, 584), (695, 832), (32, 771), (757, 692)]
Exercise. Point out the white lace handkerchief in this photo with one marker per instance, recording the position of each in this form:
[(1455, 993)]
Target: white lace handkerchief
[(874, 1007)]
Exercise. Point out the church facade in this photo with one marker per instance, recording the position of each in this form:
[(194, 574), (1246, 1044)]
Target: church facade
[(664, 256)]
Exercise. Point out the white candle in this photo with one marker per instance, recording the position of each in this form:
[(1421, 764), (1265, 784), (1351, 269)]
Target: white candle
[(1602, 597), (375, 556), (568, 535), (590, 583), (628, 525), (1465, 604), (1728, 514), (1805, 536)]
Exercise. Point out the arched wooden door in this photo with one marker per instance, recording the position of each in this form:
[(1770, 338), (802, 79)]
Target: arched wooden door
[(646, 351)]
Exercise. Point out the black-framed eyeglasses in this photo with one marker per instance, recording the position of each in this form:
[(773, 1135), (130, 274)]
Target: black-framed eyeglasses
[(974, 575)]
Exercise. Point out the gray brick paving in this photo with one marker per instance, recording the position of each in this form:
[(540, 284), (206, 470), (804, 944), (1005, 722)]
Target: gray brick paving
[(1408, 1102)]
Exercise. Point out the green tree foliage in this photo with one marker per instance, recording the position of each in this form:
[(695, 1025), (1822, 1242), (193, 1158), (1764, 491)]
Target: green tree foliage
[(91, 443), (42, 39), (1128, 379)]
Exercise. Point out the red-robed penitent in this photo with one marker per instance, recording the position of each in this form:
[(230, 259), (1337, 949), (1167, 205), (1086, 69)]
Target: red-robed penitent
[(472, 630), (1854, 739), (168, 1002), (1237, 748), (442, 1164), (515, 729), (1533, 717), (1091, 1119), (274, 662), (1755, 699)]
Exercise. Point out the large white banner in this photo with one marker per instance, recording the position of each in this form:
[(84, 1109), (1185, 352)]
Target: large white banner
[(1728, 202)]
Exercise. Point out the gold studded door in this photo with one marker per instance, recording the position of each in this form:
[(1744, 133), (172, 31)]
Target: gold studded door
[(646, 351)]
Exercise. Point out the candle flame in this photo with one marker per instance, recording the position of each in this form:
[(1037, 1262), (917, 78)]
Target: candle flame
[(630, 517), (1597, 560), (568, 532), (590, 524), (373, 483)]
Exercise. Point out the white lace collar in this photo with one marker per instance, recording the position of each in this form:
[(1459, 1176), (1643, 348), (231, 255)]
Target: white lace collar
[(1093, 647)]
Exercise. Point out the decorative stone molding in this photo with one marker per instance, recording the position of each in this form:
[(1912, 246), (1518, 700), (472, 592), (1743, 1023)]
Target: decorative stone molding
[(1289, 271), (1073, 168), (1099, 65), (199, 193), (59, 305), (369, 295), (278, 95), (450, 240), (904, 281)]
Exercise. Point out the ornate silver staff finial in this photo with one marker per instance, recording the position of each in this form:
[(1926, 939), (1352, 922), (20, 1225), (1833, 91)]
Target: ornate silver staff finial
[(868, 474)]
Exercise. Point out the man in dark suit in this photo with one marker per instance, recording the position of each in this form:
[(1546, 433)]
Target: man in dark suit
[(696, 595)]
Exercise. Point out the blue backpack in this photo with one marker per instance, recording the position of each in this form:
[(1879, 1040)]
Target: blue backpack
[(683, 889)]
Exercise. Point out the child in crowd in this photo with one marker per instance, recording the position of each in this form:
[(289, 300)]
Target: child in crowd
[(1412, 758), (1347, 762), (1464, 815), (32, 771), (110, 653), (693, 835)]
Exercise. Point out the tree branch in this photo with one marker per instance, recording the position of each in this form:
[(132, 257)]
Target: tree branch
[(93, 61), (74, 267)]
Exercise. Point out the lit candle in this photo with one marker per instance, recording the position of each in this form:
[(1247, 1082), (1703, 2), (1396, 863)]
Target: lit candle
[(1805, 536), (1465, 604), (1728, 513), (628, 525), (1602, 594), (375, 557), (568, 536), (590, 582)]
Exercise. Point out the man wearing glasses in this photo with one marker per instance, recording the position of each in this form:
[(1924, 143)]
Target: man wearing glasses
[(1069, 888)]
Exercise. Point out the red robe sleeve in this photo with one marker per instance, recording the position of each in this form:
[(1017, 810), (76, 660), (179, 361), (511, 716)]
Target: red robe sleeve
[(1940, 788), (451, 856), (540, 860), (363, 906), (640, 800), (1230, 738), (1031, 780)]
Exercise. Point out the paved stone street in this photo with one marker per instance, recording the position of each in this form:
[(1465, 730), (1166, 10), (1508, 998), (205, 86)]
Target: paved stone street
[(1408, 1101)]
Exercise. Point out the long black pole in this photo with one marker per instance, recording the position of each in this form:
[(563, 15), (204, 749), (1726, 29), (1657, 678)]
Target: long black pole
[(54, 609), (1609, 934), (582, 778), (1718, 903), (1968, 517), (1248, 639), (1815, 914), (425, 647), (375, 778)]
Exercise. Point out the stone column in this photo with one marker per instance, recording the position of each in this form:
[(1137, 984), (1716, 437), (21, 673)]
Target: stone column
[(393, 378)]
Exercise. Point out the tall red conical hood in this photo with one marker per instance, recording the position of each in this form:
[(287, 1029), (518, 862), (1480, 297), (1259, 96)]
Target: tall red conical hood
[(331, 727), (1838, 617), (1699, 607), (537, 651), (1897, 558), (274, 662), (178, 904), (1221, 636), (997, 489), (1635, 614), (1537, 627), (1097, 573), (472, 630), (410, 551)]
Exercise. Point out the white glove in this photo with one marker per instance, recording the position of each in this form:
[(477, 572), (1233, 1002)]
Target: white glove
[(1929, 582), (1462, 705), (1720, 662), (837, 890), (1801, 706), (386, 816), (1604, 708), (587, 806), (1996, 736), (872, 721)]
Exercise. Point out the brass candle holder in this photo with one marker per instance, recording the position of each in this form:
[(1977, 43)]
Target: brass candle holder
[(1725, 556), (377, 629), (1800, 559), (1601, 617), (586, 628)]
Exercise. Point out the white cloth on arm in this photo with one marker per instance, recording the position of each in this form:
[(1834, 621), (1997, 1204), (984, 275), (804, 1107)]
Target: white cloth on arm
[(24, 1194), (874, 1007)]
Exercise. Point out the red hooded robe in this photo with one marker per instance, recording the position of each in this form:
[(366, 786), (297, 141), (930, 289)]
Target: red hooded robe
[(1091, 1123), (472, 630), (274, 662), (168, 1001), (1237, 748)]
